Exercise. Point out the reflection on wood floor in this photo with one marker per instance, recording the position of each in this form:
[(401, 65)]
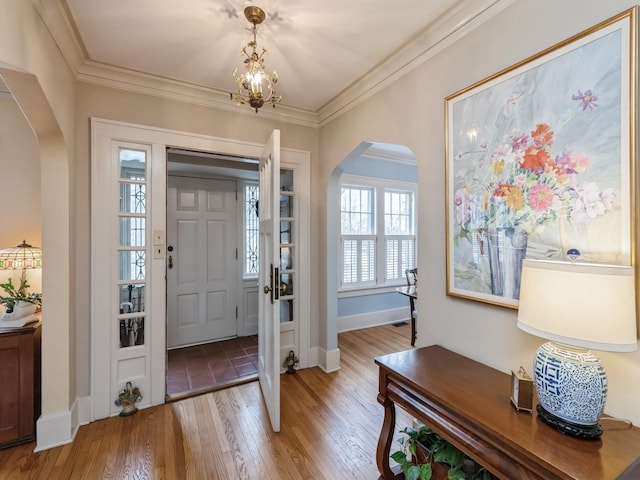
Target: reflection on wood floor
[(330, 427)]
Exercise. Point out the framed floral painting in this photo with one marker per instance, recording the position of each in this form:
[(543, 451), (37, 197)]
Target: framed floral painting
[(540, 163)]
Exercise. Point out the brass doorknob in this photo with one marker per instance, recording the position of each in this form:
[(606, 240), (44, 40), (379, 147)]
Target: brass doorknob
[(267, 289)]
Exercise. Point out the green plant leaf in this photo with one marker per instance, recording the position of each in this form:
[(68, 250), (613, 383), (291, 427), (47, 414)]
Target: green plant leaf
[(425, 471), (455, 474), (412, 473), (399, 457), (15, 295), (412, 449), (450, 455)]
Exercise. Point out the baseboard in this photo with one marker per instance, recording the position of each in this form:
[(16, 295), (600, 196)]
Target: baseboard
[(329, 361), (54, 430), (61, 428), (372, 319), (84, 411), (314, 357)]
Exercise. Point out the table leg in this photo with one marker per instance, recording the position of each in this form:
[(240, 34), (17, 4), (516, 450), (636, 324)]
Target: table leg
[(413, 321), (413, 331), (386, 437)]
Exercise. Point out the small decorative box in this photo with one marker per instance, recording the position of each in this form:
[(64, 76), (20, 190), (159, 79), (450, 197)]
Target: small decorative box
[(522, 390)]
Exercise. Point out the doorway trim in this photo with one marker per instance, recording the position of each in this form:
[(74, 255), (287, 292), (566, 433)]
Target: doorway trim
[(102, 363)]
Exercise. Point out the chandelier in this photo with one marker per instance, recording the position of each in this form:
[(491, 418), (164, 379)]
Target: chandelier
[(255, 86)]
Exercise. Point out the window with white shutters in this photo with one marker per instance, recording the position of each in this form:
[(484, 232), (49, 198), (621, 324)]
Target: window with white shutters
[(377, 232)]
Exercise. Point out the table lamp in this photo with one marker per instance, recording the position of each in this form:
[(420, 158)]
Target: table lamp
[(21, 257), (577, 307)]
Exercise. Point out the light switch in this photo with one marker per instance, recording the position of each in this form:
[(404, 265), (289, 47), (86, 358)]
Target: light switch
[(158, 237), (158, 252)]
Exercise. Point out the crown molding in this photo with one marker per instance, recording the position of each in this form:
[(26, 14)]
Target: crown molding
[(56, 17), (171, 89), (451, 26), (393, 156), (459, 20)]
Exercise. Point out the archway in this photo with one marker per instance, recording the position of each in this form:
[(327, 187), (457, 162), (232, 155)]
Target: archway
[(372, 159), (58, 333)]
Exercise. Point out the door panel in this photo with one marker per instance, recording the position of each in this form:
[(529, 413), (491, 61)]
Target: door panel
[(201, 273), (186, 251), (268, 290)]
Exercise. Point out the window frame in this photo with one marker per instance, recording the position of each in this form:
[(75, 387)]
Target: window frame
[(379, 187), (245, 273)]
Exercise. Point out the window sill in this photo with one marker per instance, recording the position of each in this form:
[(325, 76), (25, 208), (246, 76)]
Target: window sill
[(373, 290)]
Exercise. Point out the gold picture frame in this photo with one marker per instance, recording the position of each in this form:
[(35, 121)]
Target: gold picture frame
[(540, 162)]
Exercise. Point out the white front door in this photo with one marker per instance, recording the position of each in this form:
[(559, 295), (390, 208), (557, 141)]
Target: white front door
[(201, 260), (268, 285)]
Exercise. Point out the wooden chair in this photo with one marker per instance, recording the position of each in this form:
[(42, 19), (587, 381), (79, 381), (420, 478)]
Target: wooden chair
[(412, 276), (412, 281)]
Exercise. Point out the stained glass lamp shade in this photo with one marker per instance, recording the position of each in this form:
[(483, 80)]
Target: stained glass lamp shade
[(21, 257)]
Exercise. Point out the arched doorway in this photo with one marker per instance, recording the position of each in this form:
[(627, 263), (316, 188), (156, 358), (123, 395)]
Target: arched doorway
[(58, 331), (381, 161)]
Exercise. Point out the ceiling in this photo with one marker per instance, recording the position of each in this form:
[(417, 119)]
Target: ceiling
[(188, 48)]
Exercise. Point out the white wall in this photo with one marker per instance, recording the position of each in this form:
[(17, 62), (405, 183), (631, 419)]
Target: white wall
[(20, 212), (42, 85), (411, 112)]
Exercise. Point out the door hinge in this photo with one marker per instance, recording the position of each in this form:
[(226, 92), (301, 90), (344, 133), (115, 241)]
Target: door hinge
[(236, 253), (236, 312)]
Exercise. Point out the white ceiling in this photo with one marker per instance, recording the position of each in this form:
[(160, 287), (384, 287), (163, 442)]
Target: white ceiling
[(320, 48), (325, 44)]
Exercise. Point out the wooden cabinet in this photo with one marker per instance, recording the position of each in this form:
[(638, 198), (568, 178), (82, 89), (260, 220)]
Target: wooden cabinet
[(19, 384)]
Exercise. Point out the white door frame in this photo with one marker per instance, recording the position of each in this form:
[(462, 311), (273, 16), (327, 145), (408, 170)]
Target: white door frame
[(104, 241)]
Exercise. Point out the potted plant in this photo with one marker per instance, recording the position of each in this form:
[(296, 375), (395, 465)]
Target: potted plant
[(422, 446), (13, 296)]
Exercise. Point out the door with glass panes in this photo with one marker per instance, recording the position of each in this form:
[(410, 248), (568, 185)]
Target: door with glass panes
[(120, 311), (128, 256), (288, 246)]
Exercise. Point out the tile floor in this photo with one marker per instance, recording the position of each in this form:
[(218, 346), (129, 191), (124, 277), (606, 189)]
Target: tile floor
[(211, 366)]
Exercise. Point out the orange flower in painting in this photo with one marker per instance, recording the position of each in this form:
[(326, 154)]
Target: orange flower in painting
[(534, 158), (512, 195), (542, 135), (514, 198)]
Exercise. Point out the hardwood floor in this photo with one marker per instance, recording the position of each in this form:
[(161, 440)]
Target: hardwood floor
[(330, 427)]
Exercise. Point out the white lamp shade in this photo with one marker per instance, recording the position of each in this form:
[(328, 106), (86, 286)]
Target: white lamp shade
[(584, 305)]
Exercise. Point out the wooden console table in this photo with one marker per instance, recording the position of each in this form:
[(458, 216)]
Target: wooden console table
[(469, 404)]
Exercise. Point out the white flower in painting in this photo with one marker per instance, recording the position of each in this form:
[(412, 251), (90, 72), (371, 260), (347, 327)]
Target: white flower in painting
[(591, 203)]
